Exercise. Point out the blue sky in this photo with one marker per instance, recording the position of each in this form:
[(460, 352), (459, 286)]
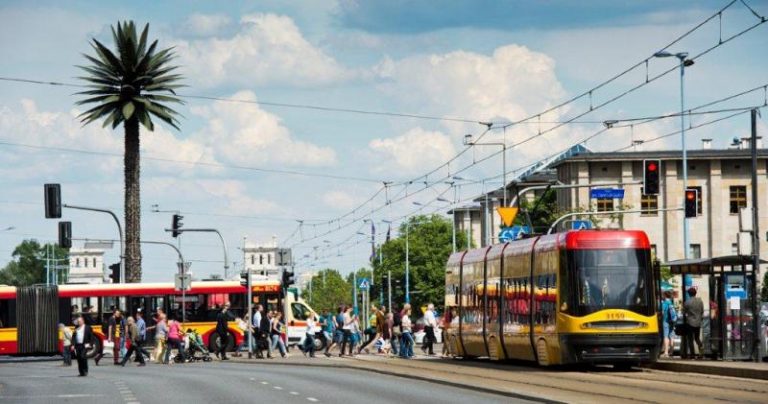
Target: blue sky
[(482, 60)]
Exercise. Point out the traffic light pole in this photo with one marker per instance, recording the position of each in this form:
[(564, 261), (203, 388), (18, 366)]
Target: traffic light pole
[(249, 320), (119, 232), (223, 242)]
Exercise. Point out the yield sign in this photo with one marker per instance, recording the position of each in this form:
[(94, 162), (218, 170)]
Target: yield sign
[(507, 215)]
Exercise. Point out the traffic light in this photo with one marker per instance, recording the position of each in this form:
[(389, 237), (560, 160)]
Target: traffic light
[(176, 225), (114, 272), (651, 176), (691, 202), (288, 278), (52, 201), (65, 234), (244, 279)]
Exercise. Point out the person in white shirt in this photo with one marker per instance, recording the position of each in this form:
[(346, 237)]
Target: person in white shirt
[(308, 348), (430, 322)]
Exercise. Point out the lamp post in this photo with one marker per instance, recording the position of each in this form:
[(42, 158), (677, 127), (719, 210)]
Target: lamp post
[(469, 142), (684, 62), (389, 275)]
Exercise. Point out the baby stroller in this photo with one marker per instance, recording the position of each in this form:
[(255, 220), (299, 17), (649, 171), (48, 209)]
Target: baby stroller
[(195, 348)]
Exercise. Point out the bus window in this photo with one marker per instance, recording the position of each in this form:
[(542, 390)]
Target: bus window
[(7, 313), (237, 304)]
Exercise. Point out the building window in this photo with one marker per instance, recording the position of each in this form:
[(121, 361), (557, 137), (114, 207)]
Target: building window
[(604, 205), (253, 259), (695, 251), (699, 200), (261, 259), (738, 198), (94, 262), (77, 262), (649, 204), (269, 258), (735, 248)]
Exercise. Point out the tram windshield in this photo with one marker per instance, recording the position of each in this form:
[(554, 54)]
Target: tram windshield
[(611, 279)]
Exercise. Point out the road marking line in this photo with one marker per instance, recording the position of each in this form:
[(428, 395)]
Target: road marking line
[(277, 387), (295, 393), (264, 382), (253, 379), (312, 399)]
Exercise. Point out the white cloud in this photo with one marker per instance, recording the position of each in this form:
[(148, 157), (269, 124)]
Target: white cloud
[(510, 83), (206, 24), (340, 200), (236, 196), (414, 151), (268, 49), (243, 133)]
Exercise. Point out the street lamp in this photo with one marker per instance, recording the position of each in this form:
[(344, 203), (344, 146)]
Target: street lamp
[(468, 141), (684, 62)]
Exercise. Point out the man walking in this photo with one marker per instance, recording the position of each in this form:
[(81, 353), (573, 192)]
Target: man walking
[(83, 339), (693, 310), (222, 329), (430, 323), (141, 325), (133, 335)]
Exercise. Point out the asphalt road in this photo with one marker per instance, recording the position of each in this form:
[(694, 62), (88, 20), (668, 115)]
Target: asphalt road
[(48, 382)]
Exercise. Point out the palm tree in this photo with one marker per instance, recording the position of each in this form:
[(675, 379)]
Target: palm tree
[(130, 86)]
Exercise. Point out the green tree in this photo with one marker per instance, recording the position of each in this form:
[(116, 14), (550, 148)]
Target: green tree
[(28, 264), (543, 211), (129, 86), (329, 290), (429, 239)]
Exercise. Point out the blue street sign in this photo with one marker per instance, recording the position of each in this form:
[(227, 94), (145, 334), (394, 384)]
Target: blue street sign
[(581, 225), (736, 292), (363, 284), (606, 193), (512, 233)]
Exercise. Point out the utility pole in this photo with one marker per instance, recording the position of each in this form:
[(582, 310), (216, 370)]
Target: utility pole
[(755, 241), (407, 262)]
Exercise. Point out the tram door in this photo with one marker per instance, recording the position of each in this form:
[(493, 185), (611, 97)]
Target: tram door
[(737, 326)]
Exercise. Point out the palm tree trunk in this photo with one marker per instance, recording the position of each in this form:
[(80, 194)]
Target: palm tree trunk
[(132, 202)]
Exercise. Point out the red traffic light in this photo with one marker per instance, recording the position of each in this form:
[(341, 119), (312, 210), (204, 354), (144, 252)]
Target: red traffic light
[(690, 195), (652, 166)]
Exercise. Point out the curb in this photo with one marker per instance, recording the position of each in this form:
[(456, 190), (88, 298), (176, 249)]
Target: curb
[(703, 368), (399, 374)]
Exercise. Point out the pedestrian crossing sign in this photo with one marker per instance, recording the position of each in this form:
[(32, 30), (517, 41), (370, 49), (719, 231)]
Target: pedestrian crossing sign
[(364, 284)]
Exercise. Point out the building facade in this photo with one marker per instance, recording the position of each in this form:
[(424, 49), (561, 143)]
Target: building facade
[(264, 259), (721, 177), (86, 266)]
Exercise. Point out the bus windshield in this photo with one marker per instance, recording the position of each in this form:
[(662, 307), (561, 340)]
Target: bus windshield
[(611, 279)]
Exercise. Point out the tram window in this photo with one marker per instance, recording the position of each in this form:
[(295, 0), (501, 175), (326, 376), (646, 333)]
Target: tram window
[(611, 279)]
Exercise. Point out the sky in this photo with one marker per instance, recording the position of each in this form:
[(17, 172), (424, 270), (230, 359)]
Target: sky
[(276, 129)]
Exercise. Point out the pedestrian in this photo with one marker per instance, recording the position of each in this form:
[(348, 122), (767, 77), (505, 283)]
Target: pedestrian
[(133, 336), (255, 324), (174, 340), (346, 328), (430, 323), (375, 330), (66, 344), (693, 310), (265, 332), (222, 330), (275, 332), (141, 325), (396, 331), (406, 338), (357, 335), (244, 326), (161, 335), (668, 320), (337, 323), (83, 339), (308, 347), (388, 333), (325, 331), (116, 333)]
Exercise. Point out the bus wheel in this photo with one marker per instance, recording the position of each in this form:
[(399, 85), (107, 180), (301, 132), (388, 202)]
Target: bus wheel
[(542, 353), (95, 349)]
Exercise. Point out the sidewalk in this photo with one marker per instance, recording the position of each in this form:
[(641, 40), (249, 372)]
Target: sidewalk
[(748, 370)]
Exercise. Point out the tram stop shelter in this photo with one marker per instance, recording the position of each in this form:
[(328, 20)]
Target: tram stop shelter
[(731, 325)]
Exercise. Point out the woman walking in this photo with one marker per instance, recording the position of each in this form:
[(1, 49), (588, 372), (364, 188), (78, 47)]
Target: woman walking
[(276, 331), (174, 340), (161, 334), (346, 328), (406, 344)]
